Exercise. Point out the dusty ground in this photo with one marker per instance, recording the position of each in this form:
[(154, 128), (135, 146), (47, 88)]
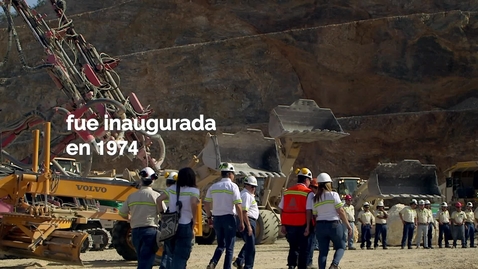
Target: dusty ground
[(275, 257)]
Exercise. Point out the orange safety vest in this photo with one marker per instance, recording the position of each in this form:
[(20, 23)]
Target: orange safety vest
[(295, 201)]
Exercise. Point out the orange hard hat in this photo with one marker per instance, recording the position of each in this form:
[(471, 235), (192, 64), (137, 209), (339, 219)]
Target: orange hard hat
[(314, 183)]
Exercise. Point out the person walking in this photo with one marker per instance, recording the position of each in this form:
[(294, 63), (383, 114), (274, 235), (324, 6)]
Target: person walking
[(296, 215), (422, 229), (350, 212), (312, 238), (225, 198), (329, 208), (431, 223), (408, 215), (180, 246), (444, 226), (470, 225), (381, 217), (458, 229), (166, 258), (367, 222), (250, 209), (141, 209)]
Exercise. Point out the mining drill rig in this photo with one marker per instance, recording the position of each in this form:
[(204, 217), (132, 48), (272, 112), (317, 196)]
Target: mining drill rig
[(91, 87), (269, 159), (45, 230)]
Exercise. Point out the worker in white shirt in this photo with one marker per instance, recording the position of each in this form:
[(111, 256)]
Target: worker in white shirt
[(408, 215), (458, 220), (422, 229), (431, 223), (250, 209), (350, 212), (226, 201), (444, 231), (368, 221), (469, 225), (381, 217)]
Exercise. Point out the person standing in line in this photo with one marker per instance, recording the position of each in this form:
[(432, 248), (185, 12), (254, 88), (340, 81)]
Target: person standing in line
[(166, 258), (312, 238), (180, 246), (329, 208), (422, 229), (408, 215), (350, 212), (444, 225), (143, 213), (245, 259), (367, 222), (226, 202), (458, 229), (431, 223), (381, 217), (470, 225), (296, 215)]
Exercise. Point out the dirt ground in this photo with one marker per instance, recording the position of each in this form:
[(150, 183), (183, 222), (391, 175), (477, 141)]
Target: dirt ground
[(275, 257)]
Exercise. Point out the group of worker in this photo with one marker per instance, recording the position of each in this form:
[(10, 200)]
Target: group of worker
[(312, 215)]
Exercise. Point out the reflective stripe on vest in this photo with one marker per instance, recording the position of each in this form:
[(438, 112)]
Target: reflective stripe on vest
[(295, 201)]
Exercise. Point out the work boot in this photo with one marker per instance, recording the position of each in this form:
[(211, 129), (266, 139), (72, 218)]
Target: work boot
[(352, 248), (211, 265), (333, 266), (237, 265)]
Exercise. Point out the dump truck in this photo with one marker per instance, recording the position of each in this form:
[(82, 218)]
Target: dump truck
[(46, 230), (399, 183), (269, 159)]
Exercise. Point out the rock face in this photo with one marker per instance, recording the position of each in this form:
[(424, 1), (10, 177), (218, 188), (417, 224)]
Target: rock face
[(398, 75)]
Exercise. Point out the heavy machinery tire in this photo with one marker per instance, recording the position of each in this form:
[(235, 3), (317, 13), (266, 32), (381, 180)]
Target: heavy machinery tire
[(267, 227), (121, 239), (88, 243), (281, 235), (206, 238), (105, 239)]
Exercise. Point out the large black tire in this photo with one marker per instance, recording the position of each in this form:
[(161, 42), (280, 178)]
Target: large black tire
[(206, 238), (267, 227)]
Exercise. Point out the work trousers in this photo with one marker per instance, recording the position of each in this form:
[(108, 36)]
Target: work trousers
[(225, 228), (179, 247), (144, 242), (444, 233), (458, 232), (430, 234), (312, 245), (298, 246), (407, 234), (325, 232), (366, 236), (350, 239), (422, 233), (248, 251), (380, 233), (470, 233)]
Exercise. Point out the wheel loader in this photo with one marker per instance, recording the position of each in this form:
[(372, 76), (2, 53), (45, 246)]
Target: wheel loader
[(269, 159), (46, 230), (461, 184)]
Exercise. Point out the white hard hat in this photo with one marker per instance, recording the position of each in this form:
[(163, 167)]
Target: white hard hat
[(366, 204), (421, 202), (380, 203), (444, 204), (226, 167), (250, 180), (413, 201), (304, 172), (173, 176), (469, 204), (148, 173), (323, 178), (427, 202)]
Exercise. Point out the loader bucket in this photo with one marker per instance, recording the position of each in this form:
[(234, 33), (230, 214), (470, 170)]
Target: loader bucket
[(406, 179), (304, 121), (248, 150)]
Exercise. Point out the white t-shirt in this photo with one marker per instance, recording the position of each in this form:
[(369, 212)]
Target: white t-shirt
[(326, 207), (185, 196), (249, 204), (224, 195)]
